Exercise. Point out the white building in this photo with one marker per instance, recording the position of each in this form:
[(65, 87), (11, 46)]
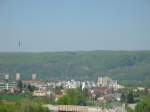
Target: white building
[(7, 85), (100, 81), (39, 93), (113, 84), (6, 76), (103, 81), (18, 76), (72, 84), (33, 76)]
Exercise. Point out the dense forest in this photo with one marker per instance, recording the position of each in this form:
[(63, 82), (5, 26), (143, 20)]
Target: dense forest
[(130, 67)]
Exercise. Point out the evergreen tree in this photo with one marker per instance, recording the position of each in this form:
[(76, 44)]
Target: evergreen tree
[(123, 97), (19, 85), (130, 97)]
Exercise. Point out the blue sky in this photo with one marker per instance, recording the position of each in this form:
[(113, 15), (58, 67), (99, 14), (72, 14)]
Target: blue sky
[(66, 25)]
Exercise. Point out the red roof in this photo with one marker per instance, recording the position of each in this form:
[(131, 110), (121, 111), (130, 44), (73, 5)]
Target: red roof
[(102, 90), (108, 98)]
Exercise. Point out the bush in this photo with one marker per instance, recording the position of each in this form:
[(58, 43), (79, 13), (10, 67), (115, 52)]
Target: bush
[(144, 105), (73, 97)]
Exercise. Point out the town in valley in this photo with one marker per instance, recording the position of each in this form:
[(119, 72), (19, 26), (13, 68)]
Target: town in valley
[(102, 95)]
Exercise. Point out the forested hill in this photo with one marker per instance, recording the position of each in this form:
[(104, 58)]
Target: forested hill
[(121, 65)]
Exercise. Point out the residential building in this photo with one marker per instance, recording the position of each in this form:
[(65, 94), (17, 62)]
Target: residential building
[(39, 93), (18, 76), (34, 76), (7, 85)]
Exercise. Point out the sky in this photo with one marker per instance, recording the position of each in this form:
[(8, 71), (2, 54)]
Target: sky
[(74, 25)]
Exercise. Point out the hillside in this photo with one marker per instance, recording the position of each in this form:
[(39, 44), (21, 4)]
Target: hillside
[(130, 66)]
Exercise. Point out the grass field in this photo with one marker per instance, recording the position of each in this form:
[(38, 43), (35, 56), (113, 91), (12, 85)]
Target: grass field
[(14, 97), (20, 97)]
